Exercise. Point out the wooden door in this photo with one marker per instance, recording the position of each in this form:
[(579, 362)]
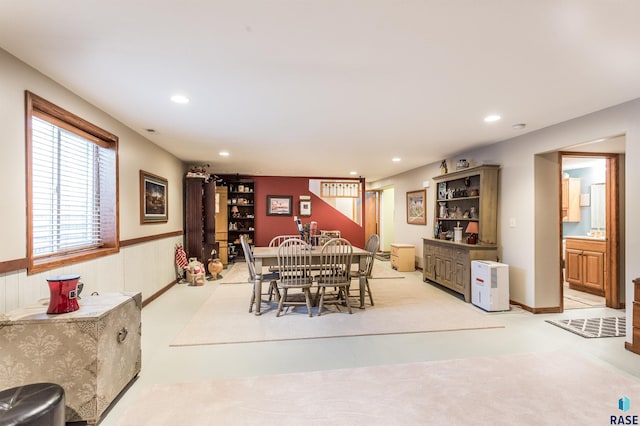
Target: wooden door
[(593, 271), (573, 266), (371, 214)]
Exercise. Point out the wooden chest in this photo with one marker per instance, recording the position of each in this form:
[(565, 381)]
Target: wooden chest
[(93, 353)]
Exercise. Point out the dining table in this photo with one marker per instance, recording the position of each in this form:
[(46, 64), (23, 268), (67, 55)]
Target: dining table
[(268, 256)]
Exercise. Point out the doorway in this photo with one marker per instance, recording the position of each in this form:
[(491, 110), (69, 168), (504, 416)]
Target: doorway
[(590, 224), (371, 213)]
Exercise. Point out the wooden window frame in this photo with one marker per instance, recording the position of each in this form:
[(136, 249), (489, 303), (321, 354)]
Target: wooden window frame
[(110, 218)]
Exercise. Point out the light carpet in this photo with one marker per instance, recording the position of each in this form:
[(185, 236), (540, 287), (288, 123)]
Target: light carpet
[(524, 389), (401, 306), (238, 273)]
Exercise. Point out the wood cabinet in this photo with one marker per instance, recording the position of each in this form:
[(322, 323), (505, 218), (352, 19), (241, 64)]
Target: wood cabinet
[(634, 346), (469, 195), (403, 257), (241, 214), (449, 264), (222, 224), (571, 200), (93, 353), (199, 218), (462, 197), (585, 265)]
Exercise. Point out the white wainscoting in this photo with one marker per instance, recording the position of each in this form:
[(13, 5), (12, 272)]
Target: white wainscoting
[(146, 267)]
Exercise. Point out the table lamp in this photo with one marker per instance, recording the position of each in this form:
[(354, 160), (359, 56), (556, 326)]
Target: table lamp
[(235, 212), (472, 229)]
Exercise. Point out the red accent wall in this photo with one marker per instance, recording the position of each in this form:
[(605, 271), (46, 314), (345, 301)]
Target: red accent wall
[(327, 217)]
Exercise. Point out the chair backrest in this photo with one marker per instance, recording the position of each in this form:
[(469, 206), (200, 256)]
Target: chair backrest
[(248, 257), (335, 261), (294, 262), (372, 247), (278, 239)]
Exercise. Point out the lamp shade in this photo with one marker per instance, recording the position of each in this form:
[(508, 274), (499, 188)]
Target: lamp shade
[(234, 209), (472, 228)]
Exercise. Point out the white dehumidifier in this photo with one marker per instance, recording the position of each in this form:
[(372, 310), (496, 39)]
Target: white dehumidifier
[(490, 285)]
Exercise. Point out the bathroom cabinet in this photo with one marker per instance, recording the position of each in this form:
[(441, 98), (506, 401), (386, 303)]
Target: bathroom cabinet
[(585, 264), (571, 200)]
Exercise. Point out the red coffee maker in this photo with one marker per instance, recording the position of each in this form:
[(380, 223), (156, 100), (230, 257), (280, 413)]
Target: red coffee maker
[(64, 294)]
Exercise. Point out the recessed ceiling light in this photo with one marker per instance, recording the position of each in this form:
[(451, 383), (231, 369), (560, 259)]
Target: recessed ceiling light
[(492, 118), (180, 99), (396, 159), (224, 153), (353, 173), (519, 126)]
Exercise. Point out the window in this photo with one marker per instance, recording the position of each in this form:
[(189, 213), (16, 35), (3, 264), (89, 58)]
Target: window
[(71, 188)]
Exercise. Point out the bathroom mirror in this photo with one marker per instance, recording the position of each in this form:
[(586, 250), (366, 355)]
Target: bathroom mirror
[(598, 201)]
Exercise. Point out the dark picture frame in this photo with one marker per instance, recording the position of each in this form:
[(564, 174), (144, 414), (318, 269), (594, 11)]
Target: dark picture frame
[(279, 205), (154, 195), (416, 207), (304, 208)]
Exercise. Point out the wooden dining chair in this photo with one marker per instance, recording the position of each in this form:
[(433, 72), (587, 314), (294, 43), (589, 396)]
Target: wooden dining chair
[(371, 246), (335, 273), (270, 277), (278, 239), (294, 269)]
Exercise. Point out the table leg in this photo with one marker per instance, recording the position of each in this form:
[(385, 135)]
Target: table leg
[(362, 281)]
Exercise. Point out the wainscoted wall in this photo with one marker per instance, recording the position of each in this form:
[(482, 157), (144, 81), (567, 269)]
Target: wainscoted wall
[(146, 267), (146, 258)]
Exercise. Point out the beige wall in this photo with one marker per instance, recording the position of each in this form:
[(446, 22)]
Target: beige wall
[(532, 243), (144, 267)]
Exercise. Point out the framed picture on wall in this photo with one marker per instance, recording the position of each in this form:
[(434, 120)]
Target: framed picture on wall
[(416, 207), (279, 205), (305, 208), (153, 198)]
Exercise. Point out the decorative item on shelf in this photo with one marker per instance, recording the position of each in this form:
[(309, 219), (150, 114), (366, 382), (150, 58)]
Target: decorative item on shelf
[(474, 192), (462, 164), (235, 213), (443, 167), (443, 209), (472, 229), (457, 233), (473, 213), (215, 266), (199, 171)]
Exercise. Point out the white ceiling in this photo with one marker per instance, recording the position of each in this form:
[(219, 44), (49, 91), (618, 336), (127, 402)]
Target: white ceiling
[(321, 88)]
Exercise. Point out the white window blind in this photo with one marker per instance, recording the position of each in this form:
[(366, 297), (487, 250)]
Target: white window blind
[(66, 179)]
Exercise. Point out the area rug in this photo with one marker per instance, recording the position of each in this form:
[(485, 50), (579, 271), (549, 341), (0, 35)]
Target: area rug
[(554, 388), (593, 327), (238, 273), (401, 306)]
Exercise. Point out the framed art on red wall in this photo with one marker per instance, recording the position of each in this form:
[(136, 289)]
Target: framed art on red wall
[(279, 205)]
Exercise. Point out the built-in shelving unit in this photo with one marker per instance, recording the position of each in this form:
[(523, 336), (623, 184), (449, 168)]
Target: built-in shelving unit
[(463, 197), (241, 215)]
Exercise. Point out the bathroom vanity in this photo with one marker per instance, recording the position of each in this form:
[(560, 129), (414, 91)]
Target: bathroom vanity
[(586, 263)]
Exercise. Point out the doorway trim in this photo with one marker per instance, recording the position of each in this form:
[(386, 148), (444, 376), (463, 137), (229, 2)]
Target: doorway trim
[(612, 224)]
